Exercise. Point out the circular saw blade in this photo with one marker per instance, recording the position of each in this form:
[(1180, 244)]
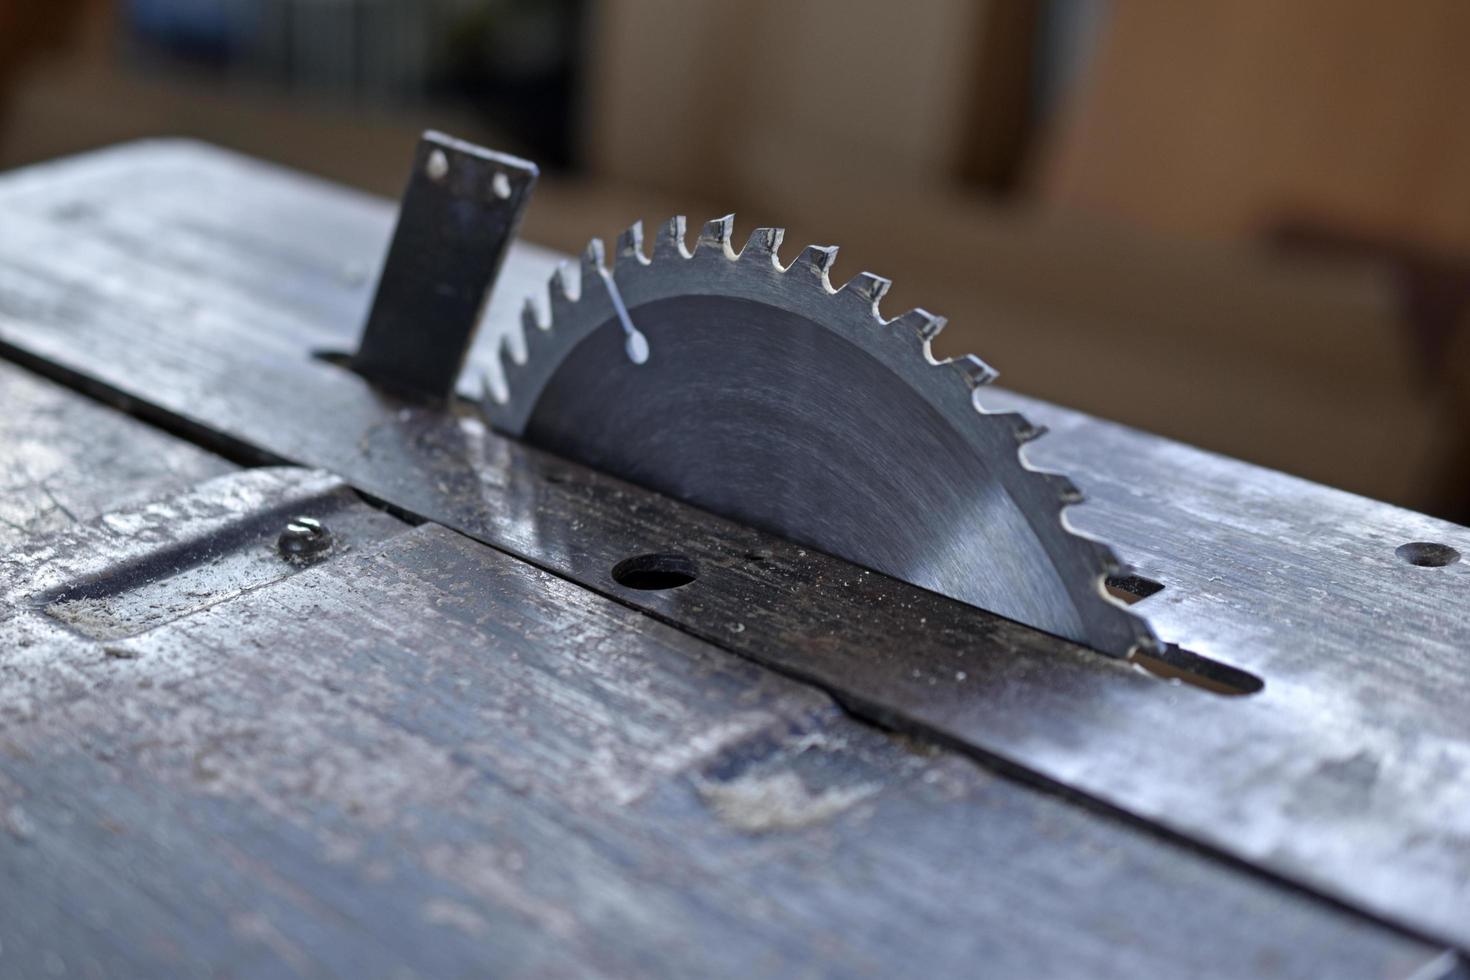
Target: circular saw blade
[(758, 392)]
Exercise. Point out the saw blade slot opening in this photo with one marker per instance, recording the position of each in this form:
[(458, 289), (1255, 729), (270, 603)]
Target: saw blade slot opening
[(339, 358), (1132, 588), (1174, 663)]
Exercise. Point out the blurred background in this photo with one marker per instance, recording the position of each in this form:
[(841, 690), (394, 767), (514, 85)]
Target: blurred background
[(1240, 223)]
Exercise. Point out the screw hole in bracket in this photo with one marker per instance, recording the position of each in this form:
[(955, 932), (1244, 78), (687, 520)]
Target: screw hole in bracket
[(1427, 554), (655, 572)]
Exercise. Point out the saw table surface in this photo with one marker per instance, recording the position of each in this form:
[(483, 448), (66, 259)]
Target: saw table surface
[(453, 744)]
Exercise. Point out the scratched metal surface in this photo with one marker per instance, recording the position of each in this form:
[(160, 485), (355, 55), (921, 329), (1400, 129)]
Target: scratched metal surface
[(419, 757), (1347, 773), (68, 459)]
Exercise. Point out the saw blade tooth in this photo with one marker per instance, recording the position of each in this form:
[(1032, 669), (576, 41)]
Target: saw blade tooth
[(763, 245), (669, 243), (593, 267), (493, 388), (973, 371), (1066, 491), (561, 294), (534, 335), (1146, 645), (1107, 562), (512, 352), (866, 289), (1030, 432), (594, 261), (498, 379), (1101, 557), (716, 237), (1021, 427), (630, 247), (921, 322), (816, 261), (530, 319), (560, 285)]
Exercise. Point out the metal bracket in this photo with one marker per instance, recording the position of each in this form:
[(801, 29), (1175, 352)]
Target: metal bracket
[(458, 217)]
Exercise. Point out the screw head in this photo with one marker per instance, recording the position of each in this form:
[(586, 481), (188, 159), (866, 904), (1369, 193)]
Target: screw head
[(305, 539)]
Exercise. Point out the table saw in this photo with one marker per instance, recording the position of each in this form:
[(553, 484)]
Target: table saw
[(388, 596)]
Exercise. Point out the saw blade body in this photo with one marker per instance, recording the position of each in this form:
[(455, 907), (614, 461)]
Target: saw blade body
[(760, 393)]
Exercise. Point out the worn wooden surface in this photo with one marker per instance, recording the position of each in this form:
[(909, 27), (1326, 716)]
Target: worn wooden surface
[(421, 757), (198, 284)]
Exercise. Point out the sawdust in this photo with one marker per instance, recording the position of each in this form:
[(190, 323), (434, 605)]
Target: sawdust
[(757, 804), (96, 618)]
